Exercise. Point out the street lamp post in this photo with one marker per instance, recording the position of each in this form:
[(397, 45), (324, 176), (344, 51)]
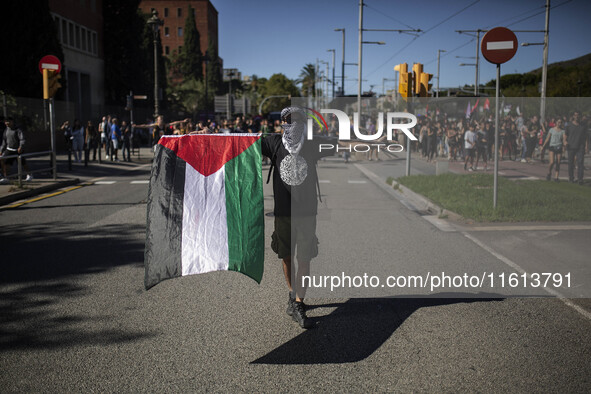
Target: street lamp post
[(325, 83), (544, 63), (342, 64), (229, 109), (155, 24), (438, 55), (333, 81)]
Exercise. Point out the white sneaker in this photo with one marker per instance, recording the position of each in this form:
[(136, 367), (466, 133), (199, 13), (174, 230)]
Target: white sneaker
[(107, 156), (29, 178), (4, 181)]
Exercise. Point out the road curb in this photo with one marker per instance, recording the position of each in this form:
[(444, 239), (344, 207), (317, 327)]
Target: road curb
[(425, 203), (4, 200)]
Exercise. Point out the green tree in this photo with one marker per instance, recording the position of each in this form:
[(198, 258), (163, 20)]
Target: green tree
[(278, 85), (214, 68), (34, 35), (188, 96), (128, 49), (191, 59), (308, 80)]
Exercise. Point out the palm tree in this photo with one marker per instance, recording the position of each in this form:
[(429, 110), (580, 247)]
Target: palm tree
[(308, 80)]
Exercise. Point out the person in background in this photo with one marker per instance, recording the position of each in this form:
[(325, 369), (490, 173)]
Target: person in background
[(91, 138), (126, 141), (555, 142), (482, 144), (469, 147), (105, 130), (115, 139), (576, 137), (13, 143)]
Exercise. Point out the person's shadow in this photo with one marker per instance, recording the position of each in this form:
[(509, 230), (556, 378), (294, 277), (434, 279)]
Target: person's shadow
[(355, 329)]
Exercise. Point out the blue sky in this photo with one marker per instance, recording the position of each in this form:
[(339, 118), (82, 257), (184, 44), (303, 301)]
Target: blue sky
[(264, 37)]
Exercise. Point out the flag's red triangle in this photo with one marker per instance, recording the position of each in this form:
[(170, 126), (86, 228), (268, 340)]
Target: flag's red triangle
[(207, 153)]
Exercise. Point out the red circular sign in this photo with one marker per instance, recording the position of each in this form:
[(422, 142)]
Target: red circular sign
[(50, 62), (498, 45)]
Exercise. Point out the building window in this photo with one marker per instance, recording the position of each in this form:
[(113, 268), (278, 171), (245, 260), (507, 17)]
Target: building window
[(166, 12), (64, 32), (83, 39), (179, 12), (71, 35), (180, 48), (180, 31), (77, 36), (166, 32), (89, 42), (167, 50), (57, 27), (93, 5), (94, 44)]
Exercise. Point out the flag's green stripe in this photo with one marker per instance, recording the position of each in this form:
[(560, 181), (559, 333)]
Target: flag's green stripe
[(244, 209)]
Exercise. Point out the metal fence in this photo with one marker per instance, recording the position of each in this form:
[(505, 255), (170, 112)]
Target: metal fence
[(20, 165)]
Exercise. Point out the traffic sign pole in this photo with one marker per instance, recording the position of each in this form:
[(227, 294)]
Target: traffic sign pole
[(498, 46), (496, 175), (52, 132)]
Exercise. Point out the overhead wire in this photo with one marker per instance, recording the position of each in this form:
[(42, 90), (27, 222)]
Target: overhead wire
[(422, 34)]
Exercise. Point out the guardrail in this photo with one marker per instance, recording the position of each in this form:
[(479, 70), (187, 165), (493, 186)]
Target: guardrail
[(20, 172)]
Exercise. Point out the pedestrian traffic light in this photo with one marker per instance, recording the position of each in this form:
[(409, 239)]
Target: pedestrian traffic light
[(404, 80), (129, 102), (417, 70), (51, 83), (425, 87)]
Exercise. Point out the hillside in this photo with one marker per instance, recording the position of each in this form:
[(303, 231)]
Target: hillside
[(563, 80)]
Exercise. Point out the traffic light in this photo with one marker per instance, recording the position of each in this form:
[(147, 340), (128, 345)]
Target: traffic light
[(404, 80), (128, 102), (51, 83), (425, 86), (417, 70)]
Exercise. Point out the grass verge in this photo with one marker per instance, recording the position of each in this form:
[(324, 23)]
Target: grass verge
[(471, 196)]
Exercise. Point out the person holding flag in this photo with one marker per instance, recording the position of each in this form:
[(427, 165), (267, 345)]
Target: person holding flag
[(205, 205), (295, 193)]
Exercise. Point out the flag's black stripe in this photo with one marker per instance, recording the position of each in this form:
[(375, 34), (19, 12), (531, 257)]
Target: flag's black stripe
[(162, 257)]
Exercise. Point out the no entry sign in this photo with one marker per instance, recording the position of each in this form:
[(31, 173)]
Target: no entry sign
[(498, 45), (50, 62)]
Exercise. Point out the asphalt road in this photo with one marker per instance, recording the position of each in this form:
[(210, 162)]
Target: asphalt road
[(74, 316)]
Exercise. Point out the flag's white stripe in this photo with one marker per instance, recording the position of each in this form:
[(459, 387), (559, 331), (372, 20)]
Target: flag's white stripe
[(205, 228), (493, 45)]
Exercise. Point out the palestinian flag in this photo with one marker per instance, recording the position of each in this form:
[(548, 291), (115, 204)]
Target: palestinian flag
[(205, 207)]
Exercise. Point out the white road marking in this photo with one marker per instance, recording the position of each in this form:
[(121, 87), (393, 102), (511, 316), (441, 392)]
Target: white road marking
[(323, 181), (145, 181), (517, 268), (356, 182), (549, 227), (104, 182)]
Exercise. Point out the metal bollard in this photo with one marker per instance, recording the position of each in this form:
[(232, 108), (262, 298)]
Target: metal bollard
[(20, 171)]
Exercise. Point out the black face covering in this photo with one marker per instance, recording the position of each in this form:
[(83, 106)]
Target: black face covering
[(294, 130)]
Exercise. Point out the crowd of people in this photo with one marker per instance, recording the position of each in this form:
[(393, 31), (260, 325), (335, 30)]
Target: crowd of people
[(470, 141), (520, 138), (241, 124), (110, 135)]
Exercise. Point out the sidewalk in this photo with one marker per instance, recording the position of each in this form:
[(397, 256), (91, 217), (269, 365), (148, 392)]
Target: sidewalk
[(393, 165), (43, 182)]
